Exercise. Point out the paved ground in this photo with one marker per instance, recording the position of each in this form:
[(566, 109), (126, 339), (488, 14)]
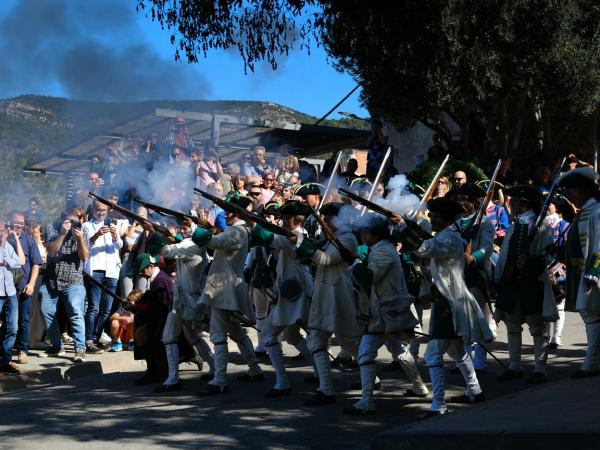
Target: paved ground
[(104, 410)]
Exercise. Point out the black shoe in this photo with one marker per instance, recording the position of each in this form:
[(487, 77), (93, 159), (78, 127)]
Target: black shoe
[(585, 374), (537, 377), (169, 387), (358, 386), (466, 400), (411, 393), (352, 411), (454, 371), (93, 349), (246, 377), (147, 378), (311, 379), (211, 389), (274, 392), (319, 399), (261, 355), (207, 376), (552, 346), (480, 371), (298, 357), (429, 415), (392, 367), (510, 374)]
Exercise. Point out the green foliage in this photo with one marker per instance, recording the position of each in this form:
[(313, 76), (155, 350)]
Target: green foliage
[(510, 75), (423, 175)]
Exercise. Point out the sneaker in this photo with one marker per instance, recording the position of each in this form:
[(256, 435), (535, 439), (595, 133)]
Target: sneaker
[(23, 358), (11, 367), (117, 347), (53, 352), (130, 346), (93, 348), (66, 338), (79, 355), (105, 339)]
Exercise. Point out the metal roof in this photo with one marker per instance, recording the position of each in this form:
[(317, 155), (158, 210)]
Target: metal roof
[(234, 134)]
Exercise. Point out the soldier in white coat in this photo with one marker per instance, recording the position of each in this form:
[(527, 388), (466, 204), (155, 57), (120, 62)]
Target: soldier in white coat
[(582, 258), (456, 318), (478, 260), (524, 288), (392, 314), (226, 293), (334, 307), (187, 315), (294, 286)]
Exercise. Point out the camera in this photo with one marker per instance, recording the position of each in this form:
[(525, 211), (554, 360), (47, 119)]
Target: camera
[(7, 226), (76, 224)]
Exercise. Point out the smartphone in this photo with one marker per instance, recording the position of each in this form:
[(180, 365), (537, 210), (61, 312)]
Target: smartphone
[(114, 222), (107, 222)]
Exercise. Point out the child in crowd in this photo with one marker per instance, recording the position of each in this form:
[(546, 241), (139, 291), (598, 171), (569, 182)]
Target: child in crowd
[(121, 324)]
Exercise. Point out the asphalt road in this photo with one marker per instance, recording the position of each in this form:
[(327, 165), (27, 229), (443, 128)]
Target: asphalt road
[(109, 411)]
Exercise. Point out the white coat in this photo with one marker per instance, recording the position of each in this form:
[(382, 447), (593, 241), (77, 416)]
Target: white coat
[(588, 298), (225, 286), (447, 254), (334, 306), (191, 262)]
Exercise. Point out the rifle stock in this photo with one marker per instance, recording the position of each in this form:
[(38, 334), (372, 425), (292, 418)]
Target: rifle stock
[(159, 228)]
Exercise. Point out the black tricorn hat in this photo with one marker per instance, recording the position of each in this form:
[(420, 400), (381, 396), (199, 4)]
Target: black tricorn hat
[(309, 189), (446, 206), (331, 208), (527, 193), (295, 208), (580, 177), (470, 190), (239, 200)]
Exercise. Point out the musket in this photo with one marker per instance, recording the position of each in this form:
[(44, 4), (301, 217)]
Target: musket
[(173, 213), (385, 212), (378, 177), (159, 228), (429, 192), (547, 200), (244, 214), (331, 236), (103, 288), (333, 174)]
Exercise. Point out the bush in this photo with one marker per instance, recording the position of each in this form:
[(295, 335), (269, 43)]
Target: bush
[(423, 175)]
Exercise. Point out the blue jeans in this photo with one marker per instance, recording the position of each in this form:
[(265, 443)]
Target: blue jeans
[(74, 300), (99, 305), (24, 316), (12, 323)]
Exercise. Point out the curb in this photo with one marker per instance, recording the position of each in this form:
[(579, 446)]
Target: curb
[(111, 363)]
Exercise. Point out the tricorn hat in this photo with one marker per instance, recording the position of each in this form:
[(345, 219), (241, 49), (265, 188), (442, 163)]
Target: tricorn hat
[(309, 189), (582, 176), (295, 208), (446, 206)]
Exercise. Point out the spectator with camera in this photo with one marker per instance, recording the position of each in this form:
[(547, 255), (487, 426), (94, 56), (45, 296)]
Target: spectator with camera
[(26, 284), (103, 265), (256, 167), (10, 262), (68, 249)]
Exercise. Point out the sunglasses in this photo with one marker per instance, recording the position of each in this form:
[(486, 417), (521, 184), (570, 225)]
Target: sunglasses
[(269, 179), (254, 194)]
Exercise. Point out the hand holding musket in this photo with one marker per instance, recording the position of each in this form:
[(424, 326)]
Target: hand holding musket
[(124, 211), (332, 237), (394, 218), (176, 214), (244, 214)]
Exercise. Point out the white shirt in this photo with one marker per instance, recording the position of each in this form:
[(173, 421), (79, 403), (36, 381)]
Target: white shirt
[(104, 253)]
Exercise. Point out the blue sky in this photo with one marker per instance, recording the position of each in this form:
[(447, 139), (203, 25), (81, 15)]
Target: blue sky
[(104, 50)]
